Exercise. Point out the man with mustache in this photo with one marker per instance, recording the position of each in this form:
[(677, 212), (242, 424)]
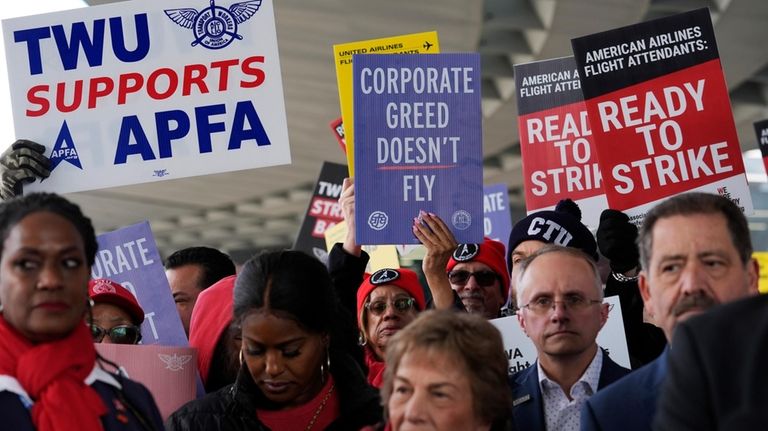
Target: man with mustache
[(695, 252), (478, 274), (561, 310)]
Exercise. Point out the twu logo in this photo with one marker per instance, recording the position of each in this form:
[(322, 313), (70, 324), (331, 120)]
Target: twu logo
[(214, 27)]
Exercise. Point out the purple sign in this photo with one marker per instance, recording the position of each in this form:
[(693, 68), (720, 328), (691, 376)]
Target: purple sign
[(418, 145), (129, 256), (497, 223)]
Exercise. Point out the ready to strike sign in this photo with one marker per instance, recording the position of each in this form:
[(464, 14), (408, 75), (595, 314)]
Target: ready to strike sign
[(140, 91), (659, 110), (419, 145), (559, 158)]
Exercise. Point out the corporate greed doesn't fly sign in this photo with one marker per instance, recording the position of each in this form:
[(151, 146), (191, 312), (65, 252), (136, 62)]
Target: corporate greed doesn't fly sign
[(139, 91)]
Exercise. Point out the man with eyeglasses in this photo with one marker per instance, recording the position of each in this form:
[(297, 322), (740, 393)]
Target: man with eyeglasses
[(116, 315), (695, 253), (561, 226), (562, 310), (616, 236)]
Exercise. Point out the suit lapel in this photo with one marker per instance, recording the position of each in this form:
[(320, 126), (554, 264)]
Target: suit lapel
[(610, 372), (527, 402)]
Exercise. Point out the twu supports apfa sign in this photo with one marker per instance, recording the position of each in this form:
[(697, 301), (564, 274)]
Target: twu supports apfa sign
[(141, 91)]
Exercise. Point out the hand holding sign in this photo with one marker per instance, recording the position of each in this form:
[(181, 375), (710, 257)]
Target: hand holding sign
[(23, 162), (440, 244), (347, 203)]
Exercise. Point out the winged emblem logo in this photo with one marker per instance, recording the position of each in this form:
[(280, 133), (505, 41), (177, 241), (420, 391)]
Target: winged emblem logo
[(174, 362), (214, 27)]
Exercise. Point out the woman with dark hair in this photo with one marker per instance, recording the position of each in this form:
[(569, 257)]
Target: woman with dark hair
[(50, 378), (297, 373)]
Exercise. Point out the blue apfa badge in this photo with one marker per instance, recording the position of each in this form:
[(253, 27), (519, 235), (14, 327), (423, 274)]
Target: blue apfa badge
[(64, 149)]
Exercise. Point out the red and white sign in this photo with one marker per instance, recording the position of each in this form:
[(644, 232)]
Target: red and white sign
[(660, 113), (559, 157)]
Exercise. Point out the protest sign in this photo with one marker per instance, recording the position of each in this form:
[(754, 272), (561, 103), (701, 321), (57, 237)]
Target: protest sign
[(417, 43), (337, 126), (142, 91), (168, 372), (762, 261), (323, 212), (418, 126), (129, 256), (497, 220), (761, 130), (660, 113), (381, 256), (559, 157), (521, 352)]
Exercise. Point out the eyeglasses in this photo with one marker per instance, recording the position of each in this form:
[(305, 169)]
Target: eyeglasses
[(544, 305), (401, 305), (482, 278), (121, 334)]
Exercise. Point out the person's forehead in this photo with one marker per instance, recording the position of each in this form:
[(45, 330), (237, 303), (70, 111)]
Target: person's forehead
[(558, 271), (473, 266), (450, 364), (185, 278), (110, 312), (387, 291), (526, 248), (694, 233)]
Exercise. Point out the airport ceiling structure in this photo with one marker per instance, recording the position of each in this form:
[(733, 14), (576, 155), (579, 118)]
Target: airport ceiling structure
[(244, 211)]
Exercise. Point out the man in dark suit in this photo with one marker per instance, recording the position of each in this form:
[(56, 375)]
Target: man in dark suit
[(695, 252), (717, 371), (562, 312)]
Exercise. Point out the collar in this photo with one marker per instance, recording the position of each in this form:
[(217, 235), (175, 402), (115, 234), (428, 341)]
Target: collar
[(10, 384), (98, 374), (591, 376)]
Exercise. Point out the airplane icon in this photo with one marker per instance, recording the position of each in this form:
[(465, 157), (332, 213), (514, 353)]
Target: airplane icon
[(427, 45)]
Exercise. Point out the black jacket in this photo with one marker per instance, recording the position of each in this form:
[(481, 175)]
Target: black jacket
[(234, 407), (137, 409), (645, 341)]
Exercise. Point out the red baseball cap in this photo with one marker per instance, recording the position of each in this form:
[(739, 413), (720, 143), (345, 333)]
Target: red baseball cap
[(489, 252), (104, 290), (401, 277)]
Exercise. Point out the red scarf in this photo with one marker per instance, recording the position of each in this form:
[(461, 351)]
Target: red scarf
[(375, 368), (53, 374)]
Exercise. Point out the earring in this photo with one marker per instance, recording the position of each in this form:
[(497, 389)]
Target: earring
[(326, 367), (361, 340), (241, 356)]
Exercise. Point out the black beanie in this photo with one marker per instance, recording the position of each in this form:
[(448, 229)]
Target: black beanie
[(562, 226)]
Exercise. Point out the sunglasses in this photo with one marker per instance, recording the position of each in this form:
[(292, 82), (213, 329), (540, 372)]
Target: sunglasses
[(401, 305), (121, 334), (482, 278)]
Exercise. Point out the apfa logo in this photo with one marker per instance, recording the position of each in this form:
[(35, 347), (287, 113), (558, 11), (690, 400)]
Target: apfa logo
[(64, 149), (214, 27)]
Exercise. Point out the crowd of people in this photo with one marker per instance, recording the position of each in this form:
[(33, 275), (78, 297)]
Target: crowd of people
[(288, 343)]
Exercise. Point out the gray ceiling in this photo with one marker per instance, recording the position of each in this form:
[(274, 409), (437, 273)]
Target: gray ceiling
[(247, 210)]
